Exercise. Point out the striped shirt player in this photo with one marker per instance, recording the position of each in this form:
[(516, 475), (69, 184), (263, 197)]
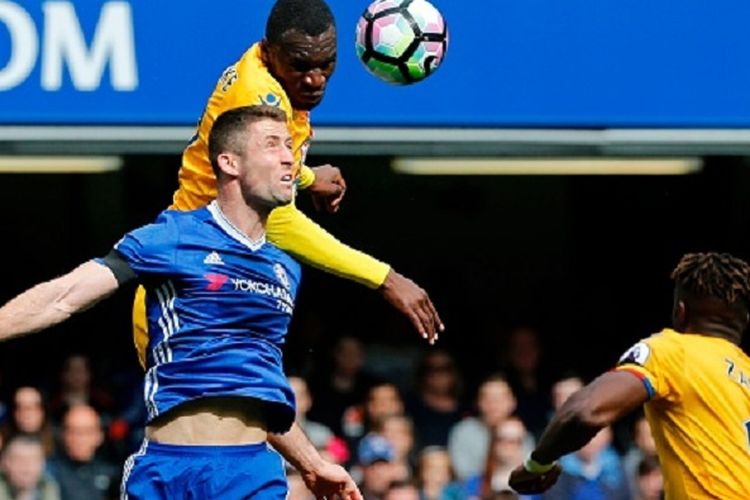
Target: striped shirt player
[(218, 309), (220, 299)]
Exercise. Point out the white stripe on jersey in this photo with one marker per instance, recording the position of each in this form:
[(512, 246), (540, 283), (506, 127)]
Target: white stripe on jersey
[(169, 321), (128, 468), (165, 322), (175, 318), (162, 353), (152, 384)]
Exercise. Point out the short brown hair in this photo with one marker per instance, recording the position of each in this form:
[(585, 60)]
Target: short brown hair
[(226, 133)]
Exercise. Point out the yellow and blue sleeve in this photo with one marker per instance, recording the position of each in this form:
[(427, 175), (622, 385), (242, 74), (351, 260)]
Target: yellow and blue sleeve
[(656, 361), (643, 375)]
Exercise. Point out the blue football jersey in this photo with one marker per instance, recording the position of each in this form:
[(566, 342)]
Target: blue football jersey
[(218, 308)]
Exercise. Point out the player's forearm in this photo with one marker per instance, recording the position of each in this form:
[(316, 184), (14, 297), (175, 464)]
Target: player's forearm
[(568, 431), (297, 449), (602, 402), (294, 232), (53, 302), (34, 310)]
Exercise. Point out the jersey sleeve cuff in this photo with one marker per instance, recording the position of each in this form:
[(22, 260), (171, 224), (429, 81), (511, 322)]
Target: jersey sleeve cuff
[(641, 376), (306, 177), (119, 266)]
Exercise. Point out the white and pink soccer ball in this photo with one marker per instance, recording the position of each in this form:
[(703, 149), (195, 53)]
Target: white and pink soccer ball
[(401, 41)]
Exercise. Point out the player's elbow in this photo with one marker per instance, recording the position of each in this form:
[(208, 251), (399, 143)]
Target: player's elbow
[(583, 409)]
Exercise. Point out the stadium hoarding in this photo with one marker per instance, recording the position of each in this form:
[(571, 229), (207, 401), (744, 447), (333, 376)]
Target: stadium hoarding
[(519, 65)]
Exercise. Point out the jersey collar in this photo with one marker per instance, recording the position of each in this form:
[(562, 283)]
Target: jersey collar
[(232, 230)]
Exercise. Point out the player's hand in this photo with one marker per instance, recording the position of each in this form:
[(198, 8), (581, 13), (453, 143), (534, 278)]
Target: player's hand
[(531, 483), (330, 481), (328, 189), (413, 301)]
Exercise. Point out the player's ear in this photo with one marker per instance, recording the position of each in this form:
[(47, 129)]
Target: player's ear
[(679, 314), (265, 49), (227, 162)]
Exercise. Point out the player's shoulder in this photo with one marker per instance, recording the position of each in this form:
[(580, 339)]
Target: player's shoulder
[(662, 344), (277, 254), (178, 218), (180, 224), (666, 338), (251, 82)]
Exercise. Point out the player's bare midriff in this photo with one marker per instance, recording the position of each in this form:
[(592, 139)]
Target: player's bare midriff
[(211, 421)]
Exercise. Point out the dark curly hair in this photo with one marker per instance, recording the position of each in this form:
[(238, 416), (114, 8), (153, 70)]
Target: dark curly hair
[(718, 275), (311, 17)]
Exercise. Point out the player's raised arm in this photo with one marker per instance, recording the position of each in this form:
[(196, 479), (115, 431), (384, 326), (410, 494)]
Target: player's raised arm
[(52, 302), (294, 232)]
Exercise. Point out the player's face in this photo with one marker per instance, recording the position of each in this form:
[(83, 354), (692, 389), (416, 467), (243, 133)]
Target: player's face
[(303, 64), (265, 167)]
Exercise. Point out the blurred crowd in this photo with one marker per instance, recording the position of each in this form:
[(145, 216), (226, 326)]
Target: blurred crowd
[(423, 435)]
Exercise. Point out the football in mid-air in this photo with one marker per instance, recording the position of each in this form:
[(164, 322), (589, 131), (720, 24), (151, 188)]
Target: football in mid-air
[(401, 41)]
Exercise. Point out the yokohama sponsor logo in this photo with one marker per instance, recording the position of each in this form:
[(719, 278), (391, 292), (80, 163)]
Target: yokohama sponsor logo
[(252, 286)]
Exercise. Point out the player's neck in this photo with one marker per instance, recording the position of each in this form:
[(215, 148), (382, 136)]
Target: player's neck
[(251, 221), (714, 329)]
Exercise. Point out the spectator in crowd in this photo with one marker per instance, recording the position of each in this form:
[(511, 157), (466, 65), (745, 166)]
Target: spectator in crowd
[(592, 473), (469, 440), (343, 386), (436, 407), (375, 455), (28, 416), (524, 375), (80, 473), (126, 430), (650, 482), (435, 476), (22, 466), (399, 431), (567, 385), (642, 446), (506, 450), (383, 400), (77, 387), (319, 434), (401, 490)]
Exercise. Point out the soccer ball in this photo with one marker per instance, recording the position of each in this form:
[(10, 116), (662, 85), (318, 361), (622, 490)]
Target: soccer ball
[(401, 41)]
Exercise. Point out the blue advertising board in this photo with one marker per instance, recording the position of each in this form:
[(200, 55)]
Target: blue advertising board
[(511, 63)]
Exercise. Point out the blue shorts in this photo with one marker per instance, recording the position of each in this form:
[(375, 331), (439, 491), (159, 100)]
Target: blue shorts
[(164, 471)]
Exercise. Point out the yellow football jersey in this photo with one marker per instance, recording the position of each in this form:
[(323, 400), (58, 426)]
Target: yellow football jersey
[(246, 83), (699, 412)]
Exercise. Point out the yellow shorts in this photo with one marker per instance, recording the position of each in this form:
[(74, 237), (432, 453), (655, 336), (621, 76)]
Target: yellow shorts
[(140, 325)]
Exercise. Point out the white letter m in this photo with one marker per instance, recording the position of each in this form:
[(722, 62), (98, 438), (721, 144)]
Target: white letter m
[(113, 42)]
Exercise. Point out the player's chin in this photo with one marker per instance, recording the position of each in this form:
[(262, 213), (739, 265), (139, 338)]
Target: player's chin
[(284, 198), (306, 102)]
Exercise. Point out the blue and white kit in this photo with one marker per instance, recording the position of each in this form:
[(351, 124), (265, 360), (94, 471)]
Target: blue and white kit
[(218, 308)]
